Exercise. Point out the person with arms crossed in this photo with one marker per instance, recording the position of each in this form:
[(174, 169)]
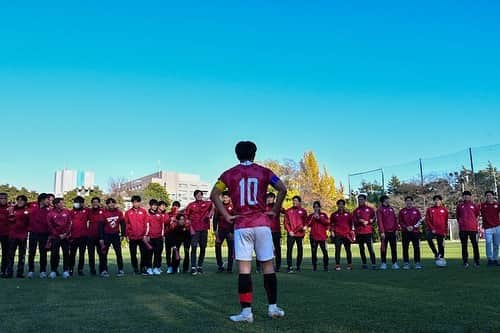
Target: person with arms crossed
[(247, 184)]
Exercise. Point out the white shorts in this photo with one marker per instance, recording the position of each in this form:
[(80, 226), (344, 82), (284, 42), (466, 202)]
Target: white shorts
[(248, 240)]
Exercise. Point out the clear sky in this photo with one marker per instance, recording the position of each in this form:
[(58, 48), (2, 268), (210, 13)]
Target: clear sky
[(114, 87)]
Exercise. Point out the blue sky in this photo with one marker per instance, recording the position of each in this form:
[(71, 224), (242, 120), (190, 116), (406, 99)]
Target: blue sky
[(116, 87)]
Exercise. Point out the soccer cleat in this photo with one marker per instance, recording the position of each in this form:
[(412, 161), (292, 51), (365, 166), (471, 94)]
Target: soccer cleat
[(338, 268), (105, 274), (156, 272), (170, 270), (43, 275), (395, 267), (66, 275), (120, 274), (242, 318), (52, 275), (383, 266), (406, 266), (441, 262), (418, 266), (194, 271), (275, 312), (30, 275)]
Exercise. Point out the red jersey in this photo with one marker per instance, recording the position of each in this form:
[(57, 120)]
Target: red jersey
[(79, 223), (386, 219), (491, 215), (156, 223), (112, 221), (38, 219), (135, 221), (247, 184), (4, 220), (437, 220), (295, 221), (467, 216), (341, 223), (363, 213), (198, 214), (59, 222), (96, 216), (275, 221), (410, 217), (319, 226), (19, 223)]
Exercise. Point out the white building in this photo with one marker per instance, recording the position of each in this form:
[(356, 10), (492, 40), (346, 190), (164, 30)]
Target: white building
[(180, 186), (68, 180)]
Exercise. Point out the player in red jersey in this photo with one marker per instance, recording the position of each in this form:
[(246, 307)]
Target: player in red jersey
[(79, 234), (247, 184), (112, 229), (224, 231)]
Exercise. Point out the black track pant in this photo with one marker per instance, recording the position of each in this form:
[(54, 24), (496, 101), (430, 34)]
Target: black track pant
[(200, 238), (93, 248), (169, 244), (366, 240), (181, 239), (157, 244), (111, 239), (4, 243), (290, 242), (392, 241), (464, 239), (439, 253), (77, 245), (314, 252), (18, 245), (227, 236), (133, 246), (413, 238), (55, 257), (339, 241), (37, 241)]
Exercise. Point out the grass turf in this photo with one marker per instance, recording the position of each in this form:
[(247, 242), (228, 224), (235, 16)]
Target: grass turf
[(431, 300)]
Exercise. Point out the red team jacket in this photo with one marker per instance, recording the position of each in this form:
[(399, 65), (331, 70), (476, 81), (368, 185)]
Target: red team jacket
[(156, 224), (341, 223), (198, 214), (437, 220), (275, 221), (363, 213), (467, 216), (247, 184), (167, 220), (79, 223), (295, 221), (59, 222), (491, 215), (38, 219), (112, 221), (409, 218), (319, 226), (96, 216), (4, 220), (386, 219), (19, 223), (135, 221)]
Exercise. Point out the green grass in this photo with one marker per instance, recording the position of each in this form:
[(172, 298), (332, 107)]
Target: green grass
[(432, 300)]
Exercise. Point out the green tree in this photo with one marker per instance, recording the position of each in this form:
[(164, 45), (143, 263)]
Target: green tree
[(154, 191), (95, 192), (13, 192)]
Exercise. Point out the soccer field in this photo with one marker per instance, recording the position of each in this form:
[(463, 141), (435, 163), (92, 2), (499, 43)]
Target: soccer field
[(431, 300)]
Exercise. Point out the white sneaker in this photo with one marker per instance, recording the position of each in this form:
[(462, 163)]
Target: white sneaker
[(275, 312), (406, 266), (43, 275), (156, 271), (395, 267), (441, 262), (105, 274), (418, 266), (66, 275), (242, 318), (52, 275), (383, 267), (170, 270), (30, 275), (149, 272)]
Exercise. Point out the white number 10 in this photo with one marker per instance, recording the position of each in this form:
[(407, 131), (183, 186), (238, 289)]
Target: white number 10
[(248, 191)]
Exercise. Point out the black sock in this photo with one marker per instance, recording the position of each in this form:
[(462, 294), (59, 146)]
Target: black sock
[(271, 286), (245, 290)]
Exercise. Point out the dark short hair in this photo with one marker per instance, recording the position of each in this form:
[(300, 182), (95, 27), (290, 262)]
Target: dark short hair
[(362, 196), (51, 195), (79, 199), (384, 198), (197, 192), (487, 192), (136, 198), (245, 151), (110, 200), (58, 200), (341, 201), (317, 203), (22, 198), (225, 193), (297, 197), (467, 193), (96, 198), (162, 203), (153, 202), (409, 198), (271, 195), (42, 197), (4, 194), (176, 204), (437, 197)]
